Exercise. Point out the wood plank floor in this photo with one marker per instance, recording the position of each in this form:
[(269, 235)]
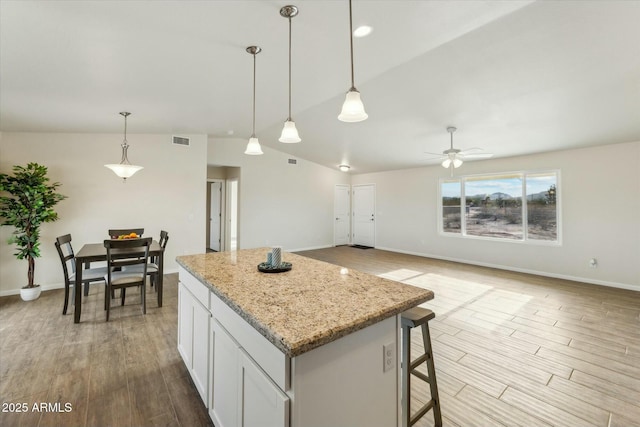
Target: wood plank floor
[(514, 349), (510, 350), (126, 372)]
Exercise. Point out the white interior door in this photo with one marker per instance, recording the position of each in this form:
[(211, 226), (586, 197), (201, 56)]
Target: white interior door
[(364, 208), (342, 215), (215, 219)]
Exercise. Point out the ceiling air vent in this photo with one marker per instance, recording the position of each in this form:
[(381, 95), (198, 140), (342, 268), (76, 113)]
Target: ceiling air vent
[(180, 140), (293, 162)]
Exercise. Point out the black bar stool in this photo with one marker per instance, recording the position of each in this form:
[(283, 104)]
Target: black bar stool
[(412, 318)]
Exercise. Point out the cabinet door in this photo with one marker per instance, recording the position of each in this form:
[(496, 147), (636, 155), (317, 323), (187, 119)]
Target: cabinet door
[(185, 325), (200, 356), (262, 403), (225, 378)]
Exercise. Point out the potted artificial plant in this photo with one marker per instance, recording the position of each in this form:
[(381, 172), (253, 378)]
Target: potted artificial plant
[(26, 203)]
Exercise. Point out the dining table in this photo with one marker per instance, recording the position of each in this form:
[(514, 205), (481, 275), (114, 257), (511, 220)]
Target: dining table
[(95, 252)]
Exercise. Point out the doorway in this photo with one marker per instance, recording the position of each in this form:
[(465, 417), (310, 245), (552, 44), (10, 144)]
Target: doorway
[(216, 215), (231, 224), (364, 208)]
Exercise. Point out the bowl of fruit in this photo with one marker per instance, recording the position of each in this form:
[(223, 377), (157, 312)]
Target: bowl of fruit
[(126, 236)]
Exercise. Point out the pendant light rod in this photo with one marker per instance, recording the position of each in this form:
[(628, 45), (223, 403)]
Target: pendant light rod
[(352, 108), (353, 85), (254, 50), (125, 144), (289, 12), (289, 131), (289, 117), (253, 147)]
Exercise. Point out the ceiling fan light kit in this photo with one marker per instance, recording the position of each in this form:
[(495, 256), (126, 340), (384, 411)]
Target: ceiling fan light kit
[(289, 131), (124, 169)]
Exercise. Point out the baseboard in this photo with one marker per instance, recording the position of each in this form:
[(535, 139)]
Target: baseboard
[(311, 248), (521, 270), (48, 287), (60, 285)]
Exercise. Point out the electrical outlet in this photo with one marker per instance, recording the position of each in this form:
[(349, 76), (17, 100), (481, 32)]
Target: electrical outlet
[(388, 359)]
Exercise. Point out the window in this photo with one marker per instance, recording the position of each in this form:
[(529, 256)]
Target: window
[(515, 206)]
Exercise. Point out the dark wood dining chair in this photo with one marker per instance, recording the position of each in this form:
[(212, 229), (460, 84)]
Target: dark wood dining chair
[(68, 260), (116, 260), (152, 267), (115, 232)]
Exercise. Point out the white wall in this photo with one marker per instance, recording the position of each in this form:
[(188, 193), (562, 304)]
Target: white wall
[(600, 202), (280, 204), (168, 194)]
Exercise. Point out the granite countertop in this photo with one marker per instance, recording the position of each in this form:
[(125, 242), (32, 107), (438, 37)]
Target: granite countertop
[(309, 306)]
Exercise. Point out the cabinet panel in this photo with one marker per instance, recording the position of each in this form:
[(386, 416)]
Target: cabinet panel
[(200, 370), (225, 378), (185, 326), (193, 338), (262, 402)]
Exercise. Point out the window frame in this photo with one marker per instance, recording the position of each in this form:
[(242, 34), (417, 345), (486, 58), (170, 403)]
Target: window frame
[(461, 179)]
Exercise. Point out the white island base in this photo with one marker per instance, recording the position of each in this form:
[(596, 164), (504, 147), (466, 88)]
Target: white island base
[(312, 347), (244, 380)]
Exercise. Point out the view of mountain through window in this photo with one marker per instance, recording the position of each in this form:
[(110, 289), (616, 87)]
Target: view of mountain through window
[(497, 206)]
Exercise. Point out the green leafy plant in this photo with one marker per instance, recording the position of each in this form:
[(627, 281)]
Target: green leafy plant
[(28, 204)]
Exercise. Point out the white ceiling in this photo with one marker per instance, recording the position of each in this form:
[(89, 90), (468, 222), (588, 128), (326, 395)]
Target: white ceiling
[(515, 77)]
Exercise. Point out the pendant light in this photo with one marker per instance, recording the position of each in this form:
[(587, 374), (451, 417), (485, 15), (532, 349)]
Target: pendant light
[(124, 169), (289, 131), (253, 147), (353, 108)]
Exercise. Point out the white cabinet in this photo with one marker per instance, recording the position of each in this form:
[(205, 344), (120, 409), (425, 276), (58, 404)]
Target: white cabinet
[(185, 325), (193, 338), (223, 408), (242, 394), (262, 403)]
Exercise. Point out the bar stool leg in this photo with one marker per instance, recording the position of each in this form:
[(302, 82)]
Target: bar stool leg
[(431, 370), (406, 376)]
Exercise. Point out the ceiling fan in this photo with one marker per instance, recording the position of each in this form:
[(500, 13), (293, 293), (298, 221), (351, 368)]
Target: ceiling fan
[(454, 157)]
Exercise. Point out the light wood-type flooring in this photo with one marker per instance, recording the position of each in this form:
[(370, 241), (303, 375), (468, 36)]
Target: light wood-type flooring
[(515, 349), (510, 350), (125, 372)]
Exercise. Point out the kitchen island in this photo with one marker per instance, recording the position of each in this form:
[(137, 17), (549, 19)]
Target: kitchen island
[(314, 346)]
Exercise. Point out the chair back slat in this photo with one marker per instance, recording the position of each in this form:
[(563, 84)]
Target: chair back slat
[(67, 257)]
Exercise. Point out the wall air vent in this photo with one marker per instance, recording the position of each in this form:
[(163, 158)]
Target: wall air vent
[(293, 162), (180, 140)]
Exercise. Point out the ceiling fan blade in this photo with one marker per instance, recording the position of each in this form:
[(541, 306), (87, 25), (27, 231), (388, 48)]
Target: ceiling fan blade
[(476, 156), (472, 149), (434, 154)]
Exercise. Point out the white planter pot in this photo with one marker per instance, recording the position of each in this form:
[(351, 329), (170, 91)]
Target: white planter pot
[(29, 294)]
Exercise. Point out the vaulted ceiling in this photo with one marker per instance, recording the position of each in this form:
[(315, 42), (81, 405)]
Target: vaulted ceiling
[(514, 77)]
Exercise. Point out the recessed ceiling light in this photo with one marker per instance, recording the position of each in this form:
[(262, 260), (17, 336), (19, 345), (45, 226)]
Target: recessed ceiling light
[(362, 31)]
